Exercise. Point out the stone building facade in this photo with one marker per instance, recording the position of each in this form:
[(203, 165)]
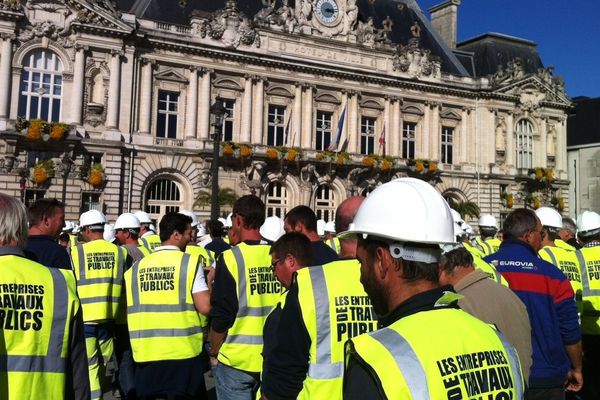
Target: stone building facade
[(135, 81)]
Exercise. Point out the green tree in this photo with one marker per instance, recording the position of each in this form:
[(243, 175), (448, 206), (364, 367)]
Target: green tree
[(467, 208), (225, 197)]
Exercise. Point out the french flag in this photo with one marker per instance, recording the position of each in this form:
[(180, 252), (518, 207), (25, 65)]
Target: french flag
[(333, 145)]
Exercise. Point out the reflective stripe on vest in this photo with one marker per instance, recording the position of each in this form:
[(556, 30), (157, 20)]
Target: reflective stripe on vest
[(136, 307), (52, 361), (551, 255), (323, 368), (585, 279), (513, 359)]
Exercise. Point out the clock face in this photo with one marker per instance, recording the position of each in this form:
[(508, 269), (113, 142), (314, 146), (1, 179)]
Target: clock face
[(328, 11)]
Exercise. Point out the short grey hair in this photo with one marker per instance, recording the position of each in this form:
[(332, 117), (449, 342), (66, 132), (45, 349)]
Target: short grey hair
[(13, 221)]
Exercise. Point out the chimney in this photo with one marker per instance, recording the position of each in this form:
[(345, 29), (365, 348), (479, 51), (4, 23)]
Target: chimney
[(444, 18)]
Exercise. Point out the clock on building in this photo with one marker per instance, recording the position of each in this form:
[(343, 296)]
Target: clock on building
[(327, 11)]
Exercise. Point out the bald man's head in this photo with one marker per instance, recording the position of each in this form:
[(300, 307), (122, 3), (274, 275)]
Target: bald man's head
[(346, 211)]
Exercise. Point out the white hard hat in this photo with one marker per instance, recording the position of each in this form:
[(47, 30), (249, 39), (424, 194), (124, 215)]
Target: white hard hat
[(549, 217), (127, 221), (488, 221), (201, 230), (152, 227), (588, 223), (143, 217), (420, 214), (92, 217), (468, 229), (69, 226), (223, 221), (321, 227), (330, 227), (190, 214), (109, 233), (76, 229), (272, 228), (228, 222)]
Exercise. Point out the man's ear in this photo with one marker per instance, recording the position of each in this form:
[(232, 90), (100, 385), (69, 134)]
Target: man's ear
[(383, 262)]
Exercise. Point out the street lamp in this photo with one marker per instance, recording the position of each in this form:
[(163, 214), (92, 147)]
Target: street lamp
[(219, 112)]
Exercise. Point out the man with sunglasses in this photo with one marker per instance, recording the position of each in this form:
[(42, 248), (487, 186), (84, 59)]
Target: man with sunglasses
[(548, 296)]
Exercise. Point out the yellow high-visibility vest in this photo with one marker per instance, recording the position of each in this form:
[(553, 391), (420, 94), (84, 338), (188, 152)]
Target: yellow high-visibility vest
[(98, 267), (258, 292), (150, 242), (568, 263), (162, 320), (589, 259), (335, 245), (488, 246), (335, 308), (564, 245), (410, 360), (38, 305)]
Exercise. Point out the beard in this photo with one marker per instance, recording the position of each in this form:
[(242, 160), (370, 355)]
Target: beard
[(375, 292)]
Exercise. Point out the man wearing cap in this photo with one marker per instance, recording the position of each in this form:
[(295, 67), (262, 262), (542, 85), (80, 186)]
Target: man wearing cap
[(325, 306), (148, 237), (46, 220), (487, 242), (565, 260), (549, 298), (244, 292), (303, 219), (426, 348), (588, 225), (99, 267)]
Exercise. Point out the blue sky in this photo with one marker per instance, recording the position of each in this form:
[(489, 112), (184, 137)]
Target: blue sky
[(567, 33)]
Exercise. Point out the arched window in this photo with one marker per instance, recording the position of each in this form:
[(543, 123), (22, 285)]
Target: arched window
[(163, 196), (40, 91), (276, 200), (524, 144), (325, 203)]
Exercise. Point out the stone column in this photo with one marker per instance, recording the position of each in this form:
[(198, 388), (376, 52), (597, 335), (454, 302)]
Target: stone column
[(353, 123), (510, 141), (204, 105), (145, 97), (191, 112), (435, 133), (78, 84), (114, 86), (307, 120), (393, 137), (258, 111), (561, 148), (5, 72), (296, 131), (540, 148), (425, 134), (463, 137), (387, 127), (246, 127)]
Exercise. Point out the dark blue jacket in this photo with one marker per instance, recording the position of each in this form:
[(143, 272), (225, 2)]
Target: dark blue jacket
[(46, 251), (548, 296)]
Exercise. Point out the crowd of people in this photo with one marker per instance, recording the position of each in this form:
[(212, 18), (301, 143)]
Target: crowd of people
[(395, 299)]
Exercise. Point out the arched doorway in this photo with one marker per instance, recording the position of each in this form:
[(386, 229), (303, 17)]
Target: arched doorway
[(163, 196)]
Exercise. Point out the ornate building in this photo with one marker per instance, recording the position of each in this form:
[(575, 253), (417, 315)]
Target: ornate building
[(132, 83)]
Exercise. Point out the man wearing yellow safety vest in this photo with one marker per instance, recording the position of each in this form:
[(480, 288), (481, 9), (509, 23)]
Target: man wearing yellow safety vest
[(148, 237), (326, 305), (588, 230), (487, 300), (98, 267), (127, 230), (426, 348), (166, 293), (566, 260), (41, 330), (568, 235), (330, 238), (487, 242), (244, 292)]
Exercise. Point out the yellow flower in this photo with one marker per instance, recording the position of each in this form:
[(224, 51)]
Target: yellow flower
[(34, 132), (539, 174), (272, 153), (432, 166), (245, 151), (368, 161), (292, 155), (509, 201), (320, 156), (549, 175), (341, 160), (537, 203), (40, 175), (386, 165), (228, 150), (419, 166)]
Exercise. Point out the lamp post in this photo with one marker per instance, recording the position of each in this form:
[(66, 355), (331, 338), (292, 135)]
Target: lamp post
[(219, 112)]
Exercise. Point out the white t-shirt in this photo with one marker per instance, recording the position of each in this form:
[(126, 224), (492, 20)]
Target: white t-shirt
[(199, 280)]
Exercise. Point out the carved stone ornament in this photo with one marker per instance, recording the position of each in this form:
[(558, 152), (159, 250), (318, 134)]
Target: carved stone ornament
[(284, 17), (369, 36), (230, 26), (10, 5), (252, 180), (556, 83), (514, 71), (529, 99), (416, 61)]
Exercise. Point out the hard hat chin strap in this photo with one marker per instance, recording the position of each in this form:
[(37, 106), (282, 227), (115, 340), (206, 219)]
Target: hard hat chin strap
[(409, 253)]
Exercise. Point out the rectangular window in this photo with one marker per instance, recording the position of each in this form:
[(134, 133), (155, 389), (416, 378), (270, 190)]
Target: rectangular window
[(33, 195), (90, 201), (228, 120), (276, 126), (447, 139), (166, 121), (367, 135), (323, 128), (409, 130)]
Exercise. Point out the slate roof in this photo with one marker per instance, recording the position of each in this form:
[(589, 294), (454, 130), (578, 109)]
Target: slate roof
[(403, 14), (493, 49), (583, 124)]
